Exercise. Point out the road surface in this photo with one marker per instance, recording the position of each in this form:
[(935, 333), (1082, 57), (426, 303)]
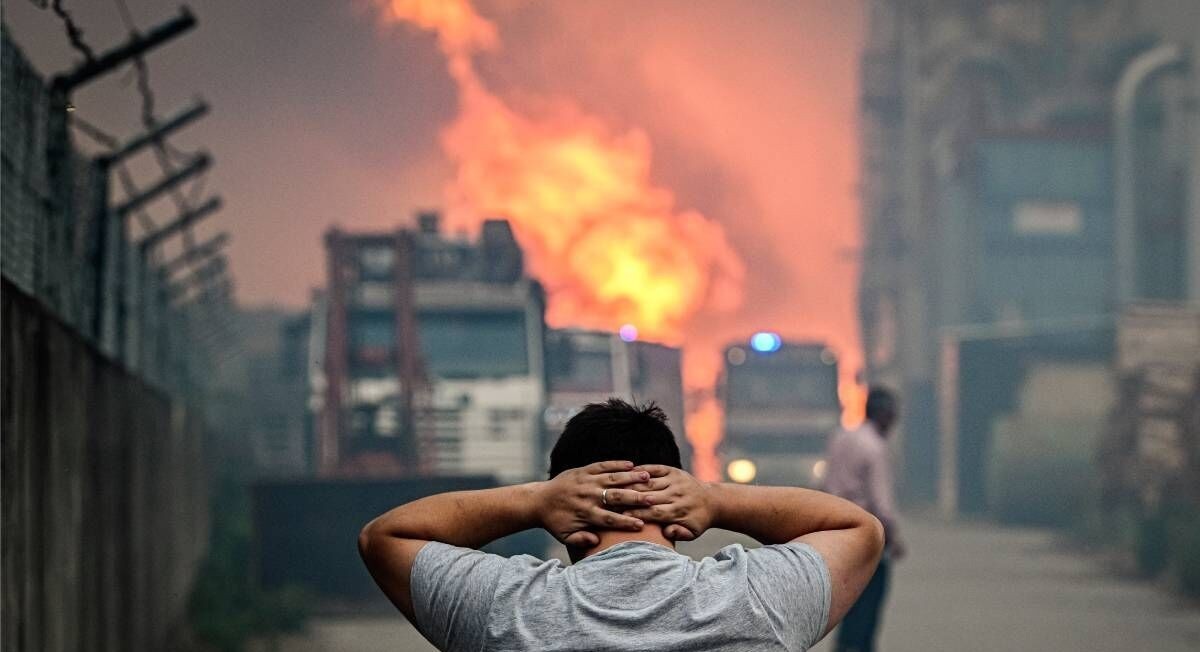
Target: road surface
[(965, 586)]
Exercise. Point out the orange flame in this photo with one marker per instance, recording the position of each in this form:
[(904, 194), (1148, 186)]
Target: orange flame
[(854, 402), (705, 424), (460, 30), (611, 247)]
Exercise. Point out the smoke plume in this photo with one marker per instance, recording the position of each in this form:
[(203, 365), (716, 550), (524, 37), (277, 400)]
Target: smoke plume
[(611, 246)]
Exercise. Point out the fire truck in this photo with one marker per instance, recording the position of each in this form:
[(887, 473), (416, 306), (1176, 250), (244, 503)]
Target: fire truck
[(781, 404)]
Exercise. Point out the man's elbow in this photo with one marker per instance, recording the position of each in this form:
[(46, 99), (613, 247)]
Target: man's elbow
[(366, 538)]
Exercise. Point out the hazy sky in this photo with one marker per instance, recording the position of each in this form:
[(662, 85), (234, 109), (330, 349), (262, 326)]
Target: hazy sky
[(321, 116)]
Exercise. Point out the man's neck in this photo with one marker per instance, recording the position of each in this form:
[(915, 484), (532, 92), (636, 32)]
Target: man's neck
[(651, 533)]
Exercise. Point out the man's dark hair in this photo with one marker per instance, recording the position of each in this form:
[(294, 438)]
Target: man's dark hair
[(615, 430), (881, 404)]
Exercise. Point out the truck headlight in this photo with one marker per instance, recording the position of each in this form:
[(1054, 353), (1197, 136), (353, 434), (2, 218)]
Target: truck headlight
[(741, 471), (818, 469)]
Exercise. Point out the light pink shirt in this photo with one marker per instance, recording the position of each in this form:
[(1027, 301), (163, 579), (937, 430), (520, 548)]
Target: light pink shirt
[(859, 469)]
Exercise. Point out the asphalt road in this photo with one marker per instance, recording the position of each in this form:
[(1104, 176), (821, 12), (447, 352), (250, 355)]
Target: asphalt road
[(965, 586)]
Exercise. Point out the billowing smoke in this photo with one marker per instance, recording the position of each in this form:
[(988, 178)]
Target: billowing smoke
[(614, 247), (611, 246)]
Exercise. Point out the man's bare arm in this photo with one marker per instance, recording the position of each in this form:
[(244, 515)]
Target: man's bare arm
[(565, 506), (782, 514), (848, 538), (390, 543)]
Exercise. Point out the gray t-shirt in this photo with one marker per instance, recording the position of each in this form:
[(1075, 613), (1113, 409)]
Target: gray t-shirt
[(632, 596)]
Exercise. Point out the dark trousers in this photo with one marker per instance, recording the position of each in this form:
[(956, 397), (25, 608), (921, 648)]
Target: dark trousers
[(857, 632)]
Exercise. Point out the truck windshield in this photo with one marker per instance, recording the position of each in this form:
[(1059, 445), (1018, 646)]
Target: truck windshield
[(474, 344), (574, 370), (779, 386)]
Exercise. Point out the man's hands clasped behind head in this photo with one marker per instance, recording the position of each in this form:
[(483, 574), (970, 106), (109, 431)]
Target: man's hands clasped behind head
[(576, 501), (676, 500), (573, 501)]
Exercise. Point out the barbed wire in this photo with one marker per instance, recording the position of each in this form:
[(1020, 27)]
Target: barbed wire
[(126, 15), (162, 151), (94, 132), (162, 154), (123, 174), (74, 33)]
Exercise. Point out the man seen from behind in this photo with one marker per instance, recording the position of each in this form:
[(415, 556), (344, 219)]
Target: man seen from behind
[(619, 501)]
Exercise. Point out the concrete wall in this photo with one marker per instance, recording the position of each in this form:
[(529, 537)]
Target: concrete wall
[(105, 511)]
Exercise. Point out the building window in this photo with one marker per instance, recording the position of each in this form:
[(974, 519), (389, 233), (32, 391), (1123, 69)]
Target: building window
[(1047, 218), (377, 261), (474, 344)]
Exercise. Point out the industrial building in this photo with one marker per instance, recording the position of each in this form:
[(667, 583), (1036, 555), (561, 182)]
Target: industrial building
[(1029, 168), (432, 356)]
